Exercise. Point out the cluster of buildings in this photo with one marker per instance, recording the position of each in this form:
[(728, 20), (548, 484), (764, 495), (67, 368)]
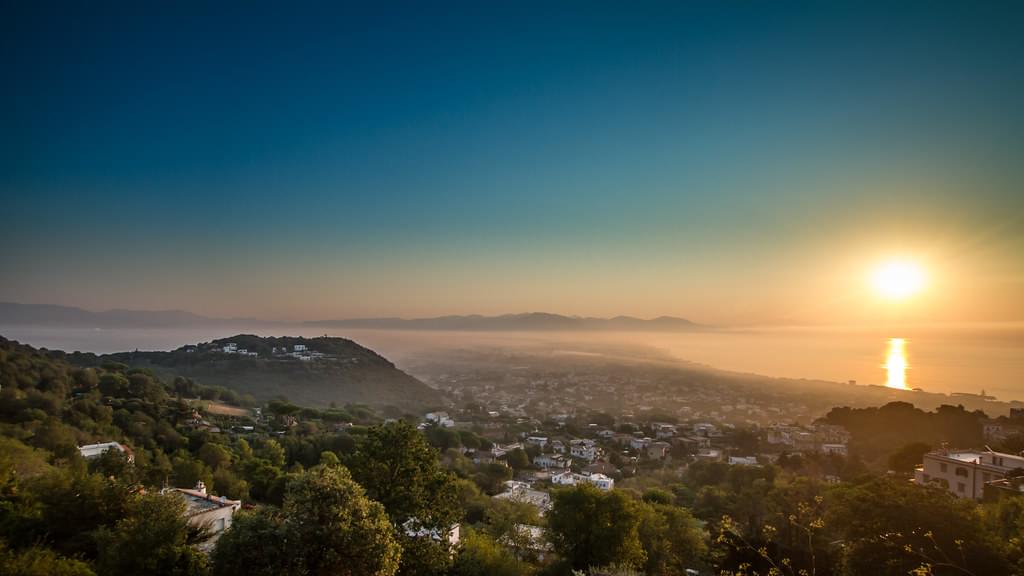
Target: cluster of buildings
[(298, 352), (232, 348), (821, 438)]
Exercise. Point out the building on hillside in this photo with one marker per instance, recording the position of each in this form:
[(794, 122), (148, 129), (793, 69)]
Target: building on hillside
[(601, 467), (549, 461), (599, 480), (541, 441), (583, 449), (965, 472), (837, 449), (203, 510), (415, 529), (92, 451), (709, 454), (743, 461), (658, 450), (522, 492)]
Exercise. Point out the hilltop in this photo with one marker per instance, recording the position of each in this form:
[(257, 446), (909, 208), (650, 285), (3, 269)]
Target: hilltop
[(309, 371)]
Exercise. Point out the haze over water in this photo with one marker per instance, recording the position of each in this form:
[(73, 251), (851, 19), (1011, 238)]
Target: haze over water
[(961, 359)]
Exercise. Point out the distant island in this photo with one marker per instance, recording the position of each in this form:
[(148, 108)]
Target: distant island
[(12, 313)]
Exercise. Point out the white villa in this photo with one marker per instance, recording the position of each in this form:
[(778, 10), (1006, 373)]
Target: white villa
[(203, 510)]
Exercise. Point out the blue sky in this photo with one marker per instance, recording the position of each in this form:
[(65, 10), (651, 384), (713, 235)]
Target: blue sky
[(723, 161)]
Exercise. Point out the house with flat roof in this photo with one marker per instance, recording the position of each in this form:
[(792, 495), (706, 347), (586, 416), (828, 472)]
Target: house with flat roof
[(91, 451), (965, 472)]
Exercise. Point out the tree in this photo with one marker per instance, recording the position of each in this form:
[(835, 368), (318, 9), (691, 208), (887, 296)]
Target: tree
[(518, 459), (214, 455), (401, 471), (37, 561), (589, 527), (155, 524), (671, 538), (907, 458), (479, 555), (335, 529), (891, 527), (327, 526)]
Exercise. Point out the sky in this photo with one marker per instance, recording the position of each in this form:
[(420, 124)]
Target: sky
[(728, 162)]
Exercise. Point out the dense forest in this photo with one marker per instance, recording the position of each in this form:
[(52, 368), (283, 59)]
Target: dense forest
[(348, 490)]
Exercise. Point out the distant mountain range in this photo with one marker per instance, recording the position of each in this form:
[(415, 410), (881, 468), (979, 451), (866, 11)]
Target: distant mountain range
[(524, 322), (53, 315)]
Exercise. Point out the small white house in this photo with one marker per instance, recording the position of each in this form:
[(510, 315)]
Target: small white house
[(601, 481), (203, 510), (91, 451), (541, 441)]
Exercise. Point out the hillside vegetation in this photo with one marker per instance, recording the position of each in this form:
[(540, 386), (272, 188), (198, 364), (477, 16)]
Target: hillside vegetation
[(345, 373)]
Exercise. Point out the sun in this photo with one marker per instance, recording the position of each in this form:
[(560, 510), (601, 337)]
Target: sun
[(898, 279)]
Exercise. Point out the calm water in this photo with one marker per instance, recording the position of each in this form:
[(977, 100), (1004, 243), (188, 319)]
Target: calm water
[(957, 359)]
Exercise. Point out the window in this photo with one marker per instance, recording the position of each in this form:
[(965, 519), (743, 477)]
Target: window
[(960, 486), (961, 471), (942, 466)]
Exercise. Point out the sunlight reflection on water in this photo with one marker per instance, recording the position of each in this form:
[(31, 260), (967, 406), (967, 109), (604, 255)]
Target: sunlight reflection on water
[(896, 364)]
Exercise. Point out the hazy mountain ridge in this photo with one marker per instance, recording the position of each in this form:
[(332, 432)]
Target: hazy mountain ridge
[(13, 313), (512, 322)]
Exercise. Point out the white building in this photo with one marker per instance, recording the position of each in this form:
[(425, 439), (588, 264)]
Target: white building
[(537, 440), (601, 481), (203, 510), (567, 478), (91, 451), (522, 492), (743, 461), (300, 348), (548, 461), (965, 472), (583, 449)]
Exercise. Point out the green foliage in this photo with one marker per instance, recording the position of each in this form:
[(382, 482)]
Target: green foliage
[(589, 527), (479, 555), (877, 431), (155, 524), (671, 538), (327, 526), (40, 562), (400, 470), (905, 459), (891, 528)]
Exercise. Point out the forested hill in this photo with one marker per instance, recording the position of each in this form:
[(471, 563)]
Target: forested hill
[(327, 370)]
